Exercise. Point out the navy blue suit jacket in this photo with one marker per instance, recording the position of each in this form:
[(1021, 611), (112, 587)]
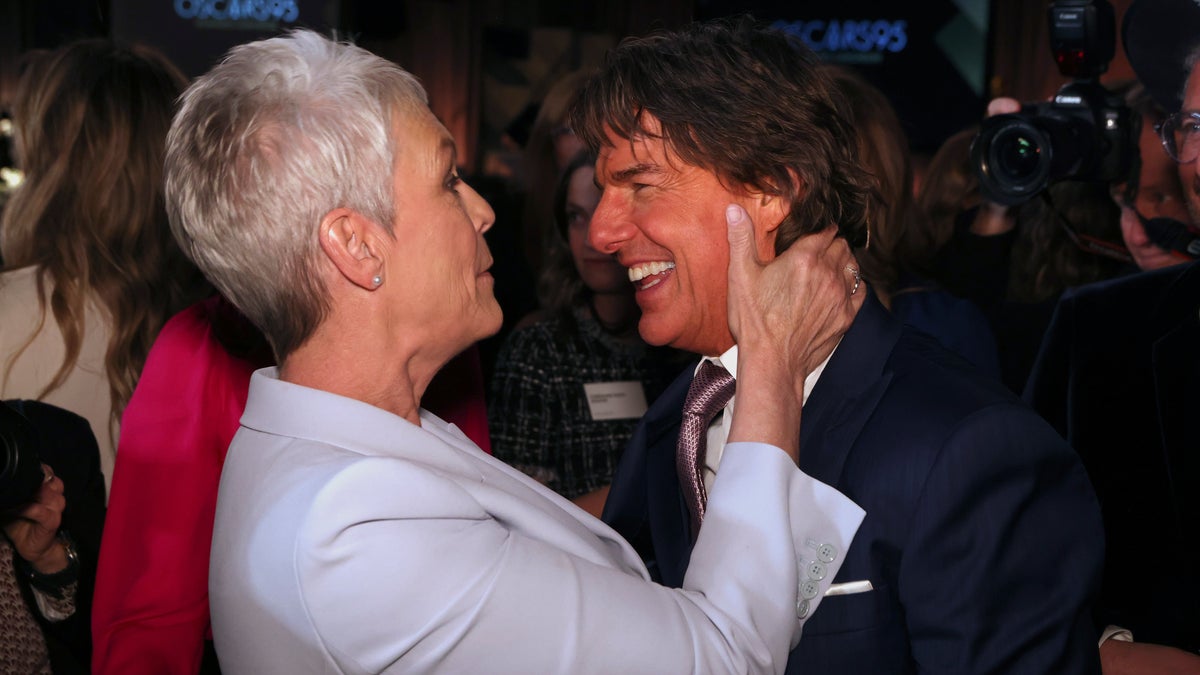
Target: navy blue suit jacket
[(1119, 377), (982, 538)]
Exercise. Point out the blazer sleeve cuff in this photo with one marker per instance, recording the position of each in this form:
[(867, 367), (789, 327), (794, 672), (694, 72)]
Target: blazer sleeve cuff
[(784, 518)]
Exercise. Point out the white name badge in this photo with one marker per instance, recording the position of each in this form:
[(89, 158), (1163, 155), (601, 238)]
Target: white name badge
[(615, 400)]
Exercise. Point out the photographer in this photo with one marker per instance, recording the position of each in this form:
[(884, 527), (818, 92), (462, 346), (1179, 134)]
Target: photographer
[(1041, 218), (1119, 376), (51, 533), (1015, 262), (1151, 203)]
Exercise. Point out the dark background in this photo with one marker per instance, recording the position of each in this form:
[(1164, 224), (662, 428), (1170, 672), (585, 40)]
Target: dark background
[(484, 61)]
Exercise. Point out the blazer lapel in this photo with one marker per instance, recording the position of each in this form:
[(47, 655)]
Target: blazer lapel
[(846, 394), (668, 515), (511, 496), (645, 504)]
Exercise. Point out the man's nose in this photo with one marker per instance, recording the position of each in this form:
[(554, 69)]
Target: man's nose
[(609, 227)]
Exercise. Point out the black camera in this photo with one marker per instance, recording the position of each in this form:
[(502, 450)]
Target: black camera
[(20, 464), (1086, 133)]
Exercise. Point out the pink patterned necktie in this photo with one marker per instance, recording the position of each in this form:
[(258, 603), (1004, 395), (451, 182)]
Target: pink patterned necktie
[(710, 391)]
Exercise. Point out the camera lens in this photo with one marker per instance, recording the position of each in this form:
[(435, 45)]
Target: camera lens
[(20, 468), (1013, 159), (1016, 154)]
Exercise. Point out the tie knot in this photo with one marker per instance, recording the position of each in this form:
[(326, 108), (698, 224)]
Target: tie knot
[(710, 391)]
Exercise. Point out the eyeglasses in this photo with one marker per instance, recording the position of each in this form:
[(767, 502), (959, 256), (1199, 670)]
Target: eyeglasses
[(1180, 134)]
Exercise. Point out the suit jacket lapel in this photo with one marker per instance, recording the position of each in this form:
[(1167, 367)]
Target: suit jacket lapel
[(645, 504), (847, 392), (668, 514)]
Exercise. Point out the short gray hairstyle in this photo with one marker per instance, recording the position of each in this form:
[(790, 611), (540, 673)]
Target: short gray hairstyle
[(263, 146)]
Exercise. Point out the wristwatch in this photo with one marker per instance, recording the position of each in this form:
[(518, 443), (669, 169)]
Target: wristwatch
[(54, 584)]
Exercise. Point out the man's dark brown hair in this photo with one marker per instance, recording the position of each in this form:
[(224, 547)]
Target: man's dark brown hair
[(746, 102)]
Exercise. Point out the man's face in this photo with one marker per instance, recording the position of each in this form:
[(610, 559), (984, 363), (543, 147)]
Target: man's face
[(1159, 196), (1189, 174), (665, 221)]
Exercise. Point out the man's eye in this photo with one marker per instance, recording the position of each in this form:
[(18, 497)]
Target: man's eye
[(453, 181), (1190, 126), (1159, 197)]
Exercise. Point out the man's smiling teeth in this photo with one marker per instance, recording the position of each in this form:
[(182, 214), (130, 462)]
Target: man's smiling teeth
[(639, 272)]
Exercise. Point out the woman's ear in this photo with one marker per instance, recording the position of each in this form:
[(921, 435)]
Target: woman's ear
[(353, 243)]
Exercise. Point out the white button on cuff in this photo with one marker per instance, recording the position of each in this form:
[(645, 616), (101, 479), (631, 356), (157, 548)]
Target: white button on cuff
[(802, 609), (827, 553), (816, 570), (809, 589)]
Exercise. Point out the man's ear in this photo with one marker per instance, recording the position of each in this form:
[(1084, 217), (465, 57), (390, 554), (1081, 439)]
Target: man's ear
[(353, 243), (767, 211)]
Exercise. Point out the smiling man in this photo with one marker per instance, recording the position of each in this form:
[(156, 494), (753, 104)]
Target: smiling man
[(982, 544)]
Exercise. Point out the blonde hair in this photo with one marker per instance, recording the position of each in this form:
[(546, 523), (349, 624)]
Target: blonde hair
[(91, 120)]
